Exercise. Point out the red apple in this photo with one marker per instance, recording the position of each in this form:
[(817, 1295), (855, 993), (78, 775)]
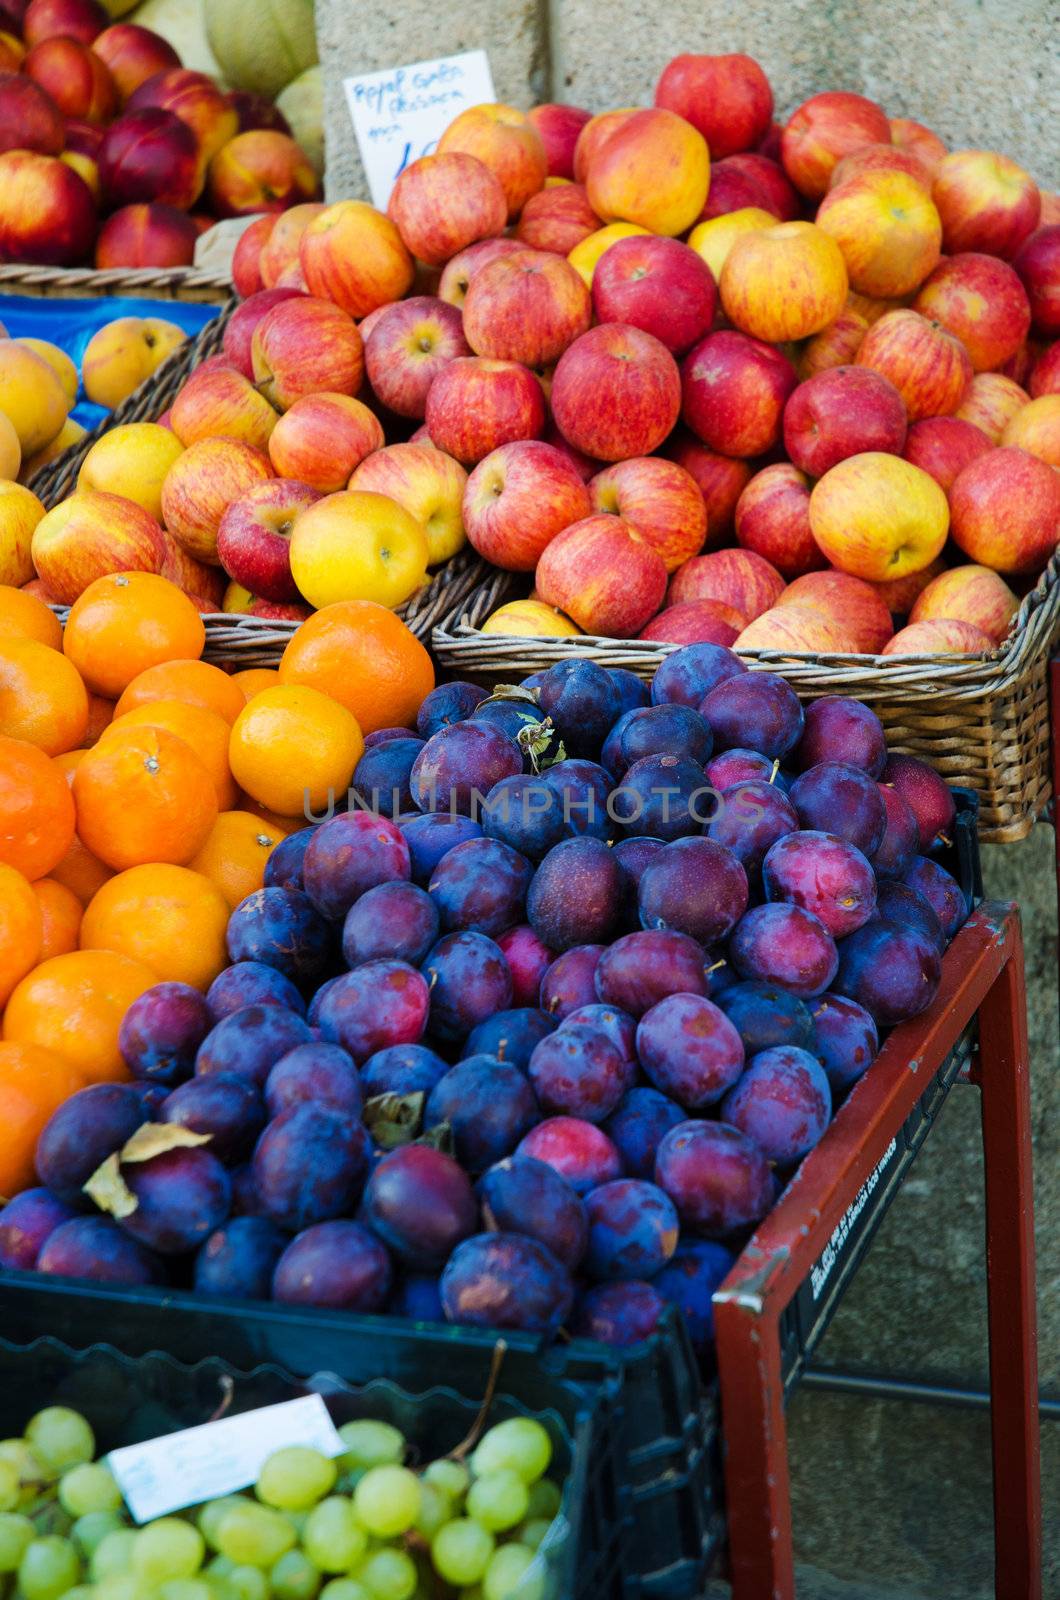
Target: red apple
[(798, 630), (943, 636), (133, 54), (734, 189), (739, 578), (850, 602), (981, 301), (986, 203), (835, 346), (658, 498), (246, 258), (991, 402), (518, 498), (408, 345), (583, 465), (840, 413), (260, 171), (899, 594), (919, 141), (239, 329), (822, 131), (29, 117), (734, 389), (653, 171), (882, 158), (195, 99), (773, 520), (931, 370), (352, 254), (47, 215), (205, 584), (76, 78), (146, 236), (1045, 375), (323, 438), (1005, 510), (695, 622), (201, 484), (943, 447), (150, 155), (528, 307), (603, 575), (254, 537), (658, 285), (1038, 264), (557, 219), (281, 249), (780, 196), (443, 203), (616, 392), (728, 98), (507, 142), (968, 594), (475, 405), (721, 480), (306, 346), (1036, 429), (457, 274), (559, 127), (222, 403), (594, 135), (77, 19)]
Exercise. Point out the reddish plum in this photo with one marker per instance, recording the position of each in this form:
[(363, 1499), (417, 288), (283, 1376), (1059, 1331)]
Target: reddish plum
[(579, 1071), (579, 1151), (323, 1074), (786, 946), (379, 1004), (421, 1204), (845, 1040), (349, 855), (633, 1230), (227, 1107), (162, 1030), (717, 1177), (694, 886), (575, 895), (690, 1050), (283, 929), (97, 1249), (395, 921), (764, 1015), (251, 983), (429, 836), (510, 1036), (459, 765), (468, 980), (838, 729), (901, 837), (620, 1029), (570, 981), (339, 1266), (528, 959), (521, 1195), (238, 1261), (449, 703), (900, 903), (941, 890), (688, 1281), (480, 886), (756, 711), (82, 1132), (835, 797), (582, 700), (402, 1069), (505, 1280), (823, 874), (251, 1041), (637, 1125), (928, 796), (739, 766), (751, 817), (640, 969), (488, 1105), (618, 1314), (181, 1196), (890, 970), (310, 1165), (687, 676), (27, 1222), (782, 1102)]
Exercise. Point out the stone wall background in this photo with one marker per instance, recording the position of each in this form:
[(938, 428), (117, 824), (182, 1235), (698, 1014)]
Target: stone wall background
[(894, 1495)]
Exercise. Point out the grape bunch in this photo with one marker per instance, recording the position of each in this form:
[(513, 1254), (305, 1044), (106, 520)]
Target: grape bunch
[(362, 1527), (539, 1049)]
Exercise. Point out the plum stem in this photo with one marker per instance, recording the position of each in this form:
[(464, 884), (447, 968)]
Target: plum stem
[(465, 1447)]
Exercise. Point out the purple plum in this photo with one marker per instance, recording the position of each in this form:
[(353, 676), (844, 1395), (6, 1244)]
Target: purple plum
[(694, 886), (719, 1179), (310, 1165), (633, 856), (395, 921), (181, 1197), (402, 1069), (901, 837), (737, 765), (891, 970), (575, 895), (640, 969), (688, 1281), (824, 874), (898, 902), (468, 980), (251, 1041), (97, 1249), (283, 869), (637, 1126), (845, 1039), (225, 1105), (764, 1015), (690, 1050), (238, 1261), (786, 946), (584, 792), (82, 1132), (251, 983), (569, 982), (282, 929), (430, 834), (941, 890), (582, 701), (27, 1222), (379, 1004), (687, 676), (381, 777), (579, 1071), (162, 1030), (619, 1314), (460, 764), (838, 729), (526, 814), (750, 818), (782, 1102), (672, 730), (521, 1195), (318, 1072), (840, 799), (421, 1204), (632, 691), (339, 1266), (350, 854), (480, 886), (633, 1230), (926, 793), (510, 1036), (449, 703), (505, 1280), (528, 960), (488, 1105), (663, 797), (756, 711), (418, 1296)]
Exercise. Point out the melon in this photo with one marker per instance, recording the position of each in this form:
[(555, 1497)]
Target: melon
[(183, 24), (264, 45), (302, 103)]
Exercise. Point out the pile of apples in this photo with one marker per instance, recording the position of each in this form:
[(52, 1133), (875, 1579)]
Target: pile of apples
[(112, 152)]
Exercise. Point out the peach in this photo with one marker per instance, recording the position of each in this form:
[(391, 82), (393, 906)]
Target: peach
[(727, 97), (602, 574), (557, 219), (881, 158), (196, 100), (133, 461), (887, 228), (559, 126), (505, 140), (75, 77), (695, 622), (322, 439), (31, 395), (280, 249), (797, 630), (1038, 265), (943, 447), (133, 54), (660, 500), (854, 604), (306, 346), (616, 392), (150, 155), (10, 454), (594, 135), (587, 252), (201, 483), (931, 370), (981, 301), (260, 171), (246, 258), (528, 307), (917, 140), (518, 498), (430, 486), (457, 273), (146, 236), (991, 402), (61, 364), (654, 170), (475, 405), (714, 239), (1036, 429), (222, 402), (784, 282), (125, 353), (720, 479), (353, 255), (943, 636), (773, 520), (20, 512), (738, 578), (876, 516), (77, 19), (823, 130), (971, 594), (986, 203), (358, 546), (442, 203), (91, 534), (47, 214), (69, 434)]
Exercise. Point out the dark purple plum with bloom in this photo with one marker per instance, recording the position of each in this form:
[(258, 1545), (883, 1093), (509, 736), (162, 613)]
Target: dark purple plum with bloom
[(337, 1265), (27, 1222), (694, 886), (583, 789), (620, 1314), (449, 703), (783, 1102), (755, 711), (227, 1106), (899, 902), (393, 921), (402, 1069), (737, 765), (672, 730), (283, 929), (687, 676), (633, 1230), (283, 869), (384, 736), (505, 1280), (576, 895), (785, 946), (897, 849), (460, 764), (349, 855), (662, 796), (824, 874), (637, 1125), (488, 1105), (569, 982), (181, 1196), (420, 1203), (321, 1073), (510, 1036), (521, 1195), (891, 970), (764, 1015), (251, 983), (688, 1281), (941, 890), (528, 960), (582, 700), (620, 1028), (579, 1071), (430, 835), (162, 1030), (239, 1260), (750, 818), (690, 1050), (98, 1249), (839, 729), (718, 1179), (382, 777), (633, 856), (468, 980), (379, 1004), (310, 1165), (632, 691), (845, 1039), (841, 799), (81, 1133), (480, 886), (525, 813), (578, 1150), (251, 1041)]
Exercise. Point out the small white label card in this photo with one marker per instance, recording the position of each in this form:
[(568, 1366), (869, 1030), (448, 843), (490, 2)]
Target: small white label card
[(399, 115), (183, 1469)]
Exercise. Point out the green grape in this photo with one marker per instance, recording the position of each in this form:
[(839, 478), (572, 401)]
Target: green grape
[(48, 1568), (10, 1486), (249, 1583), (436, 1509), (89, 1487), (344, 1589), (221, 1567), (168, 1548), (545, 1500), (89, 1531), (185, 1589), (294, 1577), (388, 1574), (16, 1535), (61, 1437), (534, 1532), (370, 1444), (518, 1445), (498, 1500), (80, 1591), (210, 1515), (509, 1574), (32, 1472), (254, 1535), (112, 1554), (334, 1539), (461, 1551), (387, 1500), (120, 1586), (295, 1478), (451, 1477)]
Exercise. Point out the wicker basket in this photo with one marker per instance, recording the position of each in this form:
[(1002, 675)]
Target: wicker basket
[(983, 722), (230, 638), (146, 283)]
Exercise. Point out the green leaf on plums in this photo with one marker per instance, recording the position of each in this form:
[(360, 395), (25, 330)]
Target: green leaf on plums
[(156, 1138), (109, 1190), (394, 1119), (440, 1137)]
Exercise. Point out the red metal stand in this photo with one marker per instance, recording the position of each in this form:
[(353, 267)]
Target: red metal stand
[(1054, 753), (982, 974)]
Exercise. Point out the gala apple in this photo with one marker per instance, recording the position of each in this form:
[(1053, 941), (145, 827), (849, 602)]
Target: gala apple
[(557, 219), (797, 630), (409, 344), (306, 346), (986, 203), (239, 329), (505, 140), (991, 402), (457, 273), (823, 130), (980, 300), (1038, 265), (528, 307), (971, 594), (850, 602), (428, 483), (943, 636), (842, 412), (443, 203), (695, 622), (888, 230), (931, 370), (660, 500), (616, 392), (654, 170), (353, 255), (518, 498), (603, 575), (773, 520), (594, 135), (728, 98), (1045, 374), (282, 249), (201, 484), (1036, 429), (911, 136), (721, 480), (734, 389), (322, 439), (738, 578), (784, 282), (658, 285), (943, 447), (559, 127), (254, 536), (222, 402), (475, 405), (90, 535)]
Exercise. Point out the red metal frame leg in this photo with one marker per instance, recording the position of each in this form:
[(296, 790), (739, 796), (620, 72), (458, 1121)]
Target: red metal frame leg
[(1004, 1078), (1054, 752), (757, 1482)]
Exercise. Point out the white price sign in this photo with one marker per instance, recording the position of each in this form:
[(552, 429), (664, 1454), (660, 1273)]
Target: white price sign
[(399, 115), (184, 1469)]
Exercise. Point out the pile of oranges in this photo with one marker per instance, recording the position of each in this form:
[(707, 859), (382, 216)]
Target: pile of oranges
[(141, 793)]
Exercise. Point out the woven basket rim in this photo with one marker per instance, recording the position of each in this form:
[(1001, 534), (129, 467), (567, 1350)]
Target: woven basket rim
[(151, 283)]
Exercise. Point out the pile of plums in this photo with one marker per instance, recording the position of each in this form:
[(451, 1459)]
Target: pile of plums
[(534, 1030)]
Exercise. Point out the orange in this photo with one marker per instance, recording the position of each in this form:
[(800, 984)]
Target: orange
[(364, 657), (21, 931), (126, 622), (196, 683), (23, 616), (272, 819), (69, 761), (42, 697), (36, 811), (202, 731), (253, 679), (100, 716), (60, 911), (142, 795), (294, 748), (74, 1004), (80, 871), (34, 1082), (235, 854), (168, 918)]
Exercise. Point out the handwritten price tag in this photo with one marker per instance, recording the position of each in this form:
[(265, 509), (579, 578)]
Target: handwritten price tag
[(399, 115), (183, 1469)]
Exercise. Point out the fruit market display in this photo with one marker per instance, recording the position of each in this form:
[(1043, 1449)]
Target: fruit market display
[(527, 1030), (113, 154), (363, 1526)]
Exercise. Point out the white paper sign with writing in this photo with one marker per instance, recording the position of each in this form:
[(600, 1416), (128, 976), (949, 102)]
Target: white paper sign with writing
[(400, 115), (183, 1469)]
